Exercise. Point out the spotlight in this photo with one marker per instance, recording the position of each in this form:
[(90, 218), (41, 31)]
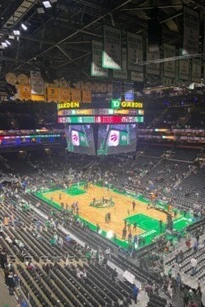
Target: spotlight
[(24, 27), (47, 4), (16, 32), (8, 42)]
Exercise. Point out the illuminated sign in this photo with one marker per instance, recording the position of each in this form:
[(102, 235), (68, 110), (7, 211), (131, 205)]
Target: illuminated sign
[(100, 112), (117, 104), (100, 119), (69, 105)]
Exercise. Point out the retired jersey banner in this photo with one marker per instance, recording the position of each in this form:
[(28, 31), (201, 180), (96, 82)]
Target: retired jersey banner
[(134, 52), (153, 68), (196, 70), (184, 69), (96, 66), (137, 76), (112, 48), (86, 96), (75, 95), (24, 92), (52, 94), (37, 83), (122, 74), (191, 31), (64, 95), (169, 66)]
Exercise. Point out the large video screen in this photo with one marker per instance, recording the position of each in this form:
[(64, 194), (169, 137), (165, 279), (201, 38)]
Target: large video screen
[(80, 139), (114, 139)]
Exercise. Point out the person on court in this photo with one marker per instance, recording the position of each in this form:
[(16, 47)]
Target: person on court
[(133, 205)]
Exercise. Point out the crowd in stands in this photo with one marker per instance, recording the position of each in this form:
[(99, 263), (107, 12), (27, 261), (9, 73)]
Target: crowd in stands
[(56, 259)]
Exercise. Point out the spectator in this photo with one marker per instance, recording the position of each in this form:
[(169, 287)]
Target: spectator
[(193, 266), (135, 292)]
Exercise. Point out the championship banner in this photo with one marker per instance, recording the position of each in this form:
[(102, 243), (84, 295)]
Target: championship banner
[(184, 69), (153, 68), (196, 70), (169, 66), (134, 52), (75, 95), (191, 31), (122, 74), (137, 76), (52, 94), (64, 94), (24, 92), (96, 65), (112, 48), (86, 96), (37, 83)]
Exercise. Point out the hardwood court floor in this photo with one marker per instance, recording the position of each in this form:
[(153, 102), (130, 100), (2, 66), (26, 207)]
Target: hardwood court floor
[(121, 210)]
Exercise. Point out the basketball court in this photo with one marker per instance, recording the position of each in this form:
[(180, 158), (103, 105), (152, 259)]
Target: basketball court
[(146, 220)]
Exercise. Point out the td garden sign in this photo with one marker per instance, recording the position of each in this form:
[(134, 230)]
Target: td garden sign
[(117, 104)]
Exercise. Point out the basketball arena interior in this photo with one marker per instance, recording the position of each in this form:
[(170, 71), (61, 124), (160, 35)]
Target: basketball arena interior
[(102, 156)]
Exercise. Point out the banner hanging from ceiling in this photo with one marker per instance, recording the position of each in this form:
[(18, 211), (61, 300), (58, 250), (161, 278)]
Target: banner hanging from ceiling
[(153, 68), (52, 94), (112, 48), (37, 83), (137, 76), (196, 70), (86, 96), (64, 95), (184, 72), (75, 95), (169, 65), (122, 74), (134, 52), (96, 66), (191, 31), (24, 92)]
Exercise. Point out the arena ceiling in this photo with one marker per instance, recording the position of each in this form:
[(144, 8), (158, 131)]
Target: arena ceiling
[(59, 38)]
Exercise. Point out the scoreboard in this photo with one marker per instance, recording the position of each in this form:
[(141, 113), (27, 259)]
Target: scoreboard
[(100, 119), (114, 111)]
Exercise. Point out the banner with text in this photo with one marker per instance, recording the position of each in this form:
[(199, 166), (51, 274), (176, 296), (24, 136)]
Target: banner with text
[(96, 66), (122, 74), (52, 94), (24, 92), (37, 83), (64, 94), (112, 48), (134, 52), (196, 70), (191, 31), (184, 69), (153, 68), (169, 65)]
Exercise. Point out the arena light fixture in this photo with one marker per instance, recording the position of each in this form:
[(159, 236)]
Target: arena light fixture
[(4, 44), (47, 4), (8, 42), (16, 32), (24, 26)]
